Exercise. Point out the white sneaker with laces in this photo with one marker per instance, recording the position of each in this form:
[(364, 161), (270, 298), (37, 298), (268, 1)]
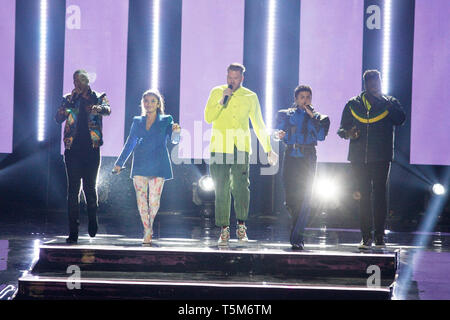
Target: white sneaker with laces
[(241, 233), (224, 236)]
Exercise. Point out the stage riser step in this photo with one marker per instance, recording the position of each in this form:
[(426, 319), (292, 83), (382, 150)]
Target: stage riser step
[(29, 289), (290, 265)]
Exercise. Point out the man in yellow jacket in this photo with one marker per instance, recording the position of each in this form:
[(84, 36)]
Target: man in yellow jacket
[(229, 108)]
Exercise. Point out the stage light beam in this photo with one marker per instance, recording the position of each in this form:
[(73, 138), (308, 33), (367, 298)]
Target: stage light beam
[(434, 209), (386, 62), (270, 59), (43, 28), (155, 44)]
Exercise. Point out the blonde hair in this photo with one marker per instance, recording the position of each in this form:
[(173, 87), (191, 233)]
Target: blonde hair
[(155, 93)]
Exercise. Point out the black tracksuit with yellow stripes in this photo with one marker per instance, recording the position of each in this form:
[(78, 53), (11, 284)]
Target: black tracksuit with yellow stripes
[(371, 153), (376, 126)]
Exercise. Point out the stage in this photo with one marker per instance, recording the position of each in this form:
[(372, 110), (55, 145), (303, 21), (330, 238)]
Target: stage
[(115, 267), (185, 263)]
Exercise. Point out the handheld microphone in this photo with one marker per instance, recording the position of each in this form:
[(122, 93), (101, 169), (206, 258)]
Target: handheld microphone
[(225, 99), (310, 107)]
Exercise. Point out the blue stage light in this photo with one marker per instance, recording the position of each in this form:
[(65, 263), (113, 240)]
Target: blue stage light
[(434, 208), (42, 69)]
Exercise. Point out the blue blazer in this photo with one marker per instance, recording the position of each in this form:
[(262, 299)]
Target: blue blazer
[(149, 148)]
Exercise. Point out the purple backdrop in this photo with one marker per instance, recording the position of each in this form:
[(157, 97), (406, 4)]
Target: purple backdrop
[(430, 90), (7, 39), (331, 44), (207, 48), (96, 40)]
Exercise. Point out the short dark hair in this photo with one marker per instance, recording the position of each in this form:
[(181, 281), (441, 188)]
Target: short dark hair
[(371, 74), (80, 71), (300, 89), (236, 67)]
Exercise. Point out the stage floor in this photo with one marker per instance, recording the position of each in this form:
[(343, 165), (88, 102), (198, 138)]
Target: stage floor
[(424, 268)]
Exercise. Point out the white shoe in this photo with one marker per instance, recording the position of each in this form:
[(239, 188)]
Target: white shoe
[(224, 237), (241, 233)]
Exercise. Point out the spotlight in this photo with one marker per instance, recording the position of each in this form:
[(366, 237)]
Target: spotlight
[(270, 61), (206, 183), (326, 189), (438, 189), (203, 195), (203, 191)]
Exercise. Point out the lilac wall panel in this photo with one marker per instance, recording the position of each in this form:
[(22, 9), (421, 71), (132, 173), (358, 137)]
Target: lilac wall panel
[(430, 90), (331, 46), (7, 39), (96, 40), (212, 38)]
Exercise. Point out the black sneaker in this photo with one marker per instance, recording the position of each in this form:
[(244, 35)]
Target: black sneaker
[(379, 242), (365, 244), (71, 240), (298, 247), (92, 227)]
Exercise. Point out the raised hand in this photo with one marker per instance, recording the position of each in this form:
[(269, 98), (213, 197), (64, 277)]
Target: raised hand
[(176, 128)]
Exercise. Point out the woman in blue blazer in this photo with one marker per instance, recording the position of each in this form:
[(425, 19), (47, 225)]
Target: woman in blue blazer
[(151, 164)]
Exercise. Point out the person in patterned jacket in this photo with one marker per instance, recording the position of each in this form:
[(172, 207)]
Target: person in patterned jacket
[(82, 110)]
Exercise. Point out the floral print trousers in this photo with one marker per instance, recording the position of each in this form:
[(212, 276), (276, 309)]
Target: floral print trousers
[(148, 195)]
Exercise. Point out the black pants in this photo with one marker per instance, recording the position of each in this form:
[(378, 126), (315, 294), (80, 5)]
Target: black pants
[(81, 167), (371, 180), (298, 179)]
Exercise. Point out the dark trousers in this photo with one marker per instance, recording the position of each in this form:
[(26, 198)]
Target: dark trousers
[(81, 167), (298, 179), (371, 182)]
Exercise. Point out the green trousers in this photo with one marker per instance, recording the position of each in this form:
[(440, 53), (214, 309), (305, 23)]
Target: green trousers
[(230, 173)]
